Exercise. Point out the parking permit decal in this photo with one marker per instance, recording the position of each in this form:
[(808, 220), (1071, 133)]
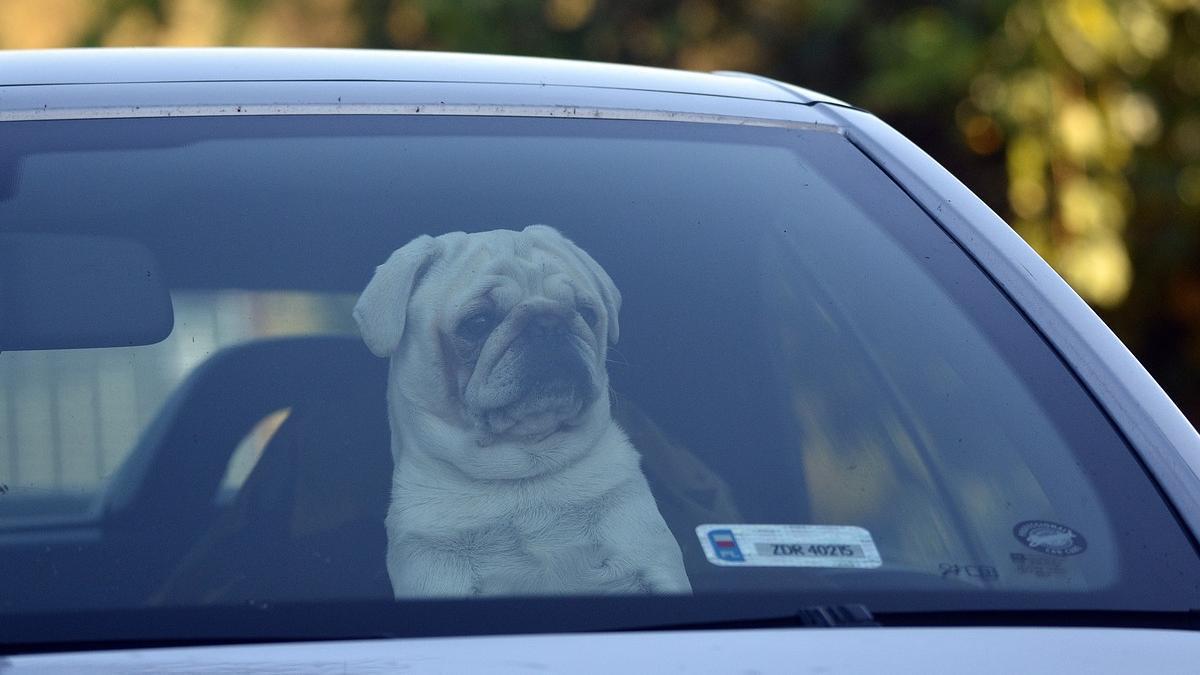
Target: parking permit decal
[(1049, 537), (1040, 566), (743, 545), (951, 570)]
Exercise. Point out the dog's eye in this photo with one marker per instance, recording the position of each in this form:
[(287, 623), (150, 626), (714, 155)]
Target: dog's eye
[(475, 326), (589, 315)]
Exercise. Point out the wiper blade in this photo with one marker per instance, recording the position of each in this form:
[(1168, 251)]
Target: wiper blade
[(836, 616), (1083, 618), (816, 616)]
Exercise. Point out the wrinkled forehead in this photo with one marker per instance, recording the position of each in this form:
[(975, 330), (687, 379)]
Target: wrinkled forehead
[(507, 267)]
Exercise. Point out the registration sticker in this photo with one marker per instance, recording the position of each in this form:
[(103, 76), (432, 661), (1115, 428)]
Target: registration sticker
[(788, 546)]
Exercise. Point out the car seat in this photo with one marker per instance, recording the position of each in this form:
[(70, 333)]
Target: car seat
[(307, 523)]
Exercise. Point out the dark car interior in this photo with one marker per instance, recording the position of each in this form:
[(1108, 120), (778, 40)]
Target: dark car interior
[(160, 534), (308, 520), (787, 345)]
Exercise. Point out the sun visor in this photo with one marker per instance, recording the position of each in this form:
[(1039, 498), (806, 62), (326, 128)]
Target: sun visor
[(72, 292)]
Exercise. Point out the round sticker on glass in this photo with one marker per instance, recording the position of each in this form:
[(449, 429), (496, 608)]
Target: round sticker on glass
[(1049, 537)]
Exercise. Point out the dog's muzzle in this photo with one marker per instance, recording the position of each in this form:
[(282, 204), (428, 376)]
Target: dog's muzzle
[(554, 381)]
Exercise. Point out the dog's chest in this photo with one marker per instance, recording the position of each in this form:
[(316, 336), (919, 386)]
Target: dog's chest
[(561, 555), (541, 551)]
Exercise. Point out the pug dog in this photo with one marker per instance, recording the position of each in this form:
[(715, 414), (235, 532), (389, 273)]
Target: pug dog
[(510, 475)]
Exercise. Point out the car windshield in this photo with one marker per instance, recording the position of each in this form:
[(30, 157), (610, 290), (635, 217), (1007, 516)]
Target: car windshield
[(702, 360)]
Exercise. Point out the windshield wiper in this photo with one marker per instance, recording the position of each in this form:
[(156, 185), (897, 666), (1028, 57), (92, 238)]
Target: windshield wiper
[(816, 616), (1084, 618)]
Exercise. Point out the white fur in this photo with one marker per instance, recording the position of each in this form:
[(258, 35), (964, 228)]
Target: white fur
[(495, 492)]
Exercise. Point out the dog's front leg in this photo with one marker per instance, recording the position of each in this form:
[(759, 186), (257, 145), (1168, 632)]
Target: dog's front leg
[(639, 540), (422, 569)]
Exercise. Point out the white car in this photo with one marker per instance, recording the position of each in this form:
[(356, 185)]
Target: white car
[(882, 432)]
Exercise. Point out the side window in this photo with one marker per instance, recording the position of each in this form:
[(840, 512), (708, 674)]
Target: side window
[(69, 418)]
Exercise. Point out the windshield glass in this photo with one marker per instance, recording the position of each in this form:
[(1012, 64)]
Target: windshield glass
[(448, 358)]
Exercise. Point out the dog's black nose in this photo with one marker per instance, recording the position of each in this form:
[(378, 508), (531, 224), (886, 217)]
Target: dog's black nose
[(546, 325)]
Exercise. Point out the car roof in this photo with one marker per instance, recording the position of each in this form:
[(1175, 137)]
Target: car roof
[(146, 65), (154, 82)]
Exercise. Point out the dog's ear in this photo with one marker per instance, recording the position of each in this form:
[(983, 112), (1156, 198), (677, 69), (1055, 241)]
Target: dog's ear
[(609, 295), (383, 305)]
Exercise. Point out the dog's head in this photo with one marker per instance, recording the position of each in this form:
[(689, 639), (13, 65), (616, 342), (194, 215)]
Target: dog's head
[(498, 343)]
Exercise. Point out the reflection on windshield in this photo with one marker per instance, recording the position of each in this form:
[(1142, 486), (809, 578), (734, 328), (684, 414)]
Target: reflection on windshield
[(924, 415)]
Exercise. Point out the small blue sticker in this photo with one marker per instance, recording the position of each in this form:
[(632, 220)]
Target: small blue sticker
[(725, 546)]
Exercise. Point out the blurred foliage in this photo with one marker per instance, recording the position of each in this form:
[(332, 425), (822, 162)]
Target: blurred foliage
[(1078, 120)]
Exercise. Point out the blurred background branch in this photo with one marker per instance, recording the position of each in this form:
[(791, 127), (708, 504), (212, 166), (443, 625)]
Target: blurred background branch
[(1077, 120)]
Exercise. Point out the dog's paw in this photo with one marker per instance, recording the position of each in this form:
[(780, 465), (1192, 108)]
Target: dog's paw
[(660, 581), (619, 577)]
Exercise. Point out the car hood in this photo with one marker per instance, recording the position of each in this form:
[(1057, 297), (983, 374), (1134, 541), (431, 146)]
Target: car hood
[(893, 650)]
